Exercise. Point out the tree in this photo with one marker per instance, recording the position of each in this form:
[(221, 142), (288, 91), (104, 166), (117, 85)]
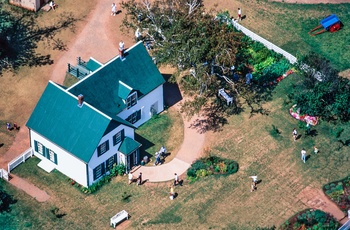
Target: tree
[(328, 96), (203, 50), (5, 201), (20, 33)]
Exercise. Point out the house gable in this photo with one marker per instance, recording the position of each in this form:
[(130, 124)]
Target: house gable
[(58, 118), (102, 89)]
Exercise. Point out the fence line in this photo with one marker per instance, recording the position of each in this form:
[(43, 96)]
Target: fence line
[(22, 158), (292, 59)]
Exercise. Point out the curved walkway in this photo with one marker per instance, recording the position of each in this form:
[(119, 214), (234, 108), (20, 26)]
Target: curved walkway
[(190, 150)]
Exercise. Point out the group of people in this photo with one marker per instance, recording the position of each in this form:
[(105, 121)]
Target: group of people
[(159, 154), (303, 151), (9, 128), (138, 179)]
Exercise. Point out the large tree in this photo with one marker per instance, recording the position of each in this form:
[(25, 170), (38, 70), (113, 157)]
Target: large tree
[(202, 48), (20, 33)]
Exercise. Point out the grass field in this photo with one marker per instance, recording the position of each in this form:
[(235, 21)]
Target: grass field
[(217, 203), (287, 26)]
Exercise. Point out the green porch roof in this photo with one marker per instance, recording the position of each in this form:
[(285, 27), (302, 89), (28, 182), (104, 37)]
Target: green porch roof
[(128, 146), (92, 65), (124, 90), (101, 88), (58, 118)]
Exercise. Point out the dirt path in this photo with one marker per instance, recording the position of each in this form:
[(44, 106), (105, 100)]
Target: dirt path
[(312, 1)]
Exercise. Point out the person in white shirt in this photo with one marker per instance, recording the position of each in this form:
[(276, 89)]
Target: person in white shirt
[(303, 155), (121, 49), (52, 5), (239, 14), (114, 9)]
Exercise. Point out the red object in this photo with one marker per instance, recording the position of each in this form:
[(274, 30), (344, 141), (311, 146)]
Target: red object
[(335, 27)]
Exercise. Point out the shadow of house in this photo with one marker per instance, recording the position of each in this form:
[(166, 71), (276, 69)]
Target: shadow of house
[(146, 144), (172, 94)]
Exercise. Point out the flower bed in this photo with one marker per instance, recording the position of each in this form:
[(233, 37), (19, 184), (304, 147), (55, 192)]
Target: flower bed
[(294, 111), (211, 166), (311, 219), (339, 192)]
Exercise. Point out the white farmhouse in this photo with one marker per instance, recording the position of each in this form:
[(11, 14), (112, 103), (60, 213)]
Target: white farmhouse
[(83, 130)]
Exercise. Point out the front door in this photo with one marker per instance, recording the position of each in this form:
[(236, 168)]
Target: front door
[(133, 159)]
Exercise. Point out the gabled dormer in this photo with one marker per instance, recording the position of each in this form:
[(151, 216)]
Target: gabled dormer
[(127, 94)]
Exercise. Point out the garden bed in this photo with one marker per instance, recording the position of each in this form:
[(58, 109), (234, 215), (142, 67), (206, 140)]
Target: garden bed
[(339, 193), (211, 166), (311, 219)]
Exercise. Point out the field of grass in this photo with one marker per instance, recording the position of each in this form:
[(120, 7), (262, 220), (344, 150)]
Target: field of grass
[(287, 26), (218, 203)]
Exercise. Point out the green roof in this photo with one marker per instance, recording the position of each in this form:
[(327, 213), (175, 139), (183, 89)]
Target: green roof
[(128, 146), (93, 65), (124, 90), (58, 118), (101, 88)]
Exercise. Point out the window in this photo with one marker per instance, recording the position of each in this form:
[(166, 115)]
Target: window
[(133, 118), (52, 156), (110, 162), (99, 171), (40, 148), (102, 148), (118, 137), (131, 100)]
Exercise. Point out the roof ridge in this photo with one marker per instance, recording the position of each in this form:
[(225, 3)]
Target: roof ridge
[(103, 65), (87, 104)]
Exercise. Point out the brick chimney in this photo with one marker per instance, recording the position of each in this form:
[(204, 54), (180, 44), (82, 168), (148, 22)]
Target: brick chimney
[(80, 100)]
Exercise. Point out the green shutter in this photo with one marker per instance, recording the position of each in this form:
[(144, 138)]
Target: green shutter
[(103, 170), (138, 115), (122, 135), (115, 158), (107, 165), (107, 145), (36, 146), (46, 152), (99, 150), (55, 155), (94, 172)]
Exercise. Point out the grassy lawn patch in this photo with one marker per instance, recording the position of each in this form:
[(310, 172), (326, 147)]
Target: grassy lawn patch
[(163, 129)]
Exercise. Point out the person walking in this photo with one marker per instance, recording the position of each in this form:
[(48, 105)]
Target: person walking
[(252, 186), (295, 134), (114, 9), (239, 14), (303, 155), (139, 179), (172, 193), (176, 179), (315, 150), (8, 126)]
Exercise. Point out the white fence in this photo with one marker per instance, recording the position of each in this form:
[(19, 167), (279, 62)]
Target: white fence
[(22, 158), (4, 174), (266, 43)]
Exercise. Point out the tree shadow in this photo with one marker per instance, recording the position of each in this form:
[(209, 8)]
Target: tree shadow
[(20, 38)]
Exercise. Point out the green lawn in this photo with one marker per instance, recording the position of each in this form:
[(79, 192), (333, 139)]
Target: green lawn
[(287, 26), (218, 203)]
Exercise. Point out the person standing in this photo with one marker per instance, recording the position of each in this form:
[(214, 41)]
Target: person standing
[(114, 9), (8, 126), (295, 134), (176, 179), (121, 49), (239, 14), (315, 150), (130, 177), (303, 155), (248, 77), (308, 128), (172, 193)]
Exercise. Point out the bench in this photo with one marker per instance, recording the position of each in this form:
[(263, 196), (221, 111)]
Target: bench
[(224, 95), (117, 218)]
